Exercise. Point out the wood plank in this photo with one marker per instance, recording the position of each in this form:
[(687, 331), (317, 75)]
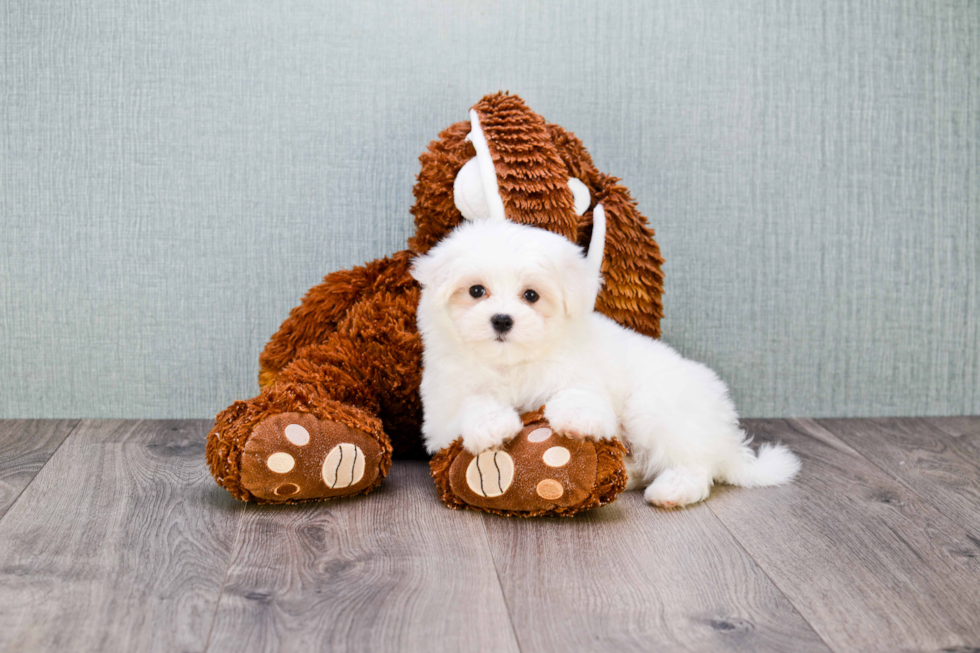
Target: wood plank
[(868, 563), (25, 445), (629, 577), (391, 571), (938, 458), (119, 544)]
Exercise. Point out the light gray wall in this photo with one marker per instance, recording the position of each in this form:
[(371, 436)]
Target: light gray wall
[(174, 175)]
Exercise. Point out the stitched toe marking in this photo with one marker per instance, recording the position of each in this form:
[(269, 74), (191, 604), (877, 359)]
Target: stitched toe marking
[(490, 474), (344, 466)]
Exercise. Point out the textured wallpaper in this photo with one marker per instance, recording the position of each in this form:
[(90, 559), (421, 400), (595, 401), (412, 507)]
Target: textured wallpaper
[(174, 175)]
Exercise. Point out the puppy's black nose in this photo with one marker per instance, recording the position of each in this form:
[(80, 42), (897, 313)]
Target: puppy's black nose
[(502, 323)]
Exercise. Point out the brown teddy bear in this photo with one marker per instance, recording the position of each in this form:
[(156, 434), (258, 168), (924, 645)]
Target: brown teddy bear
[(340, 379)]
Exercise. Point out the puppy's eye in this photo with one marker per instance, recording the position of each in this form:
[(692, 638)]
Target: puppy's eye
[(477, 291), (530, 296)]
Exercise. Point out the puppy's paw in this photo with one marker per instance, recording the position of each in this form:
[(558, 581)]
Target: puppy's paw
[(677, 487), (581, 413), (483, 429)]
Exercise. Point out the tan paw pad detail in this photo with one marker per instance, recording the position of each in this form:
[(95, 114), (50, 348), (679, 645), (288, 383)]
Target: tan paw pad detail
[(286, 490), (550, 489), (297, 435), (556, 457), (490, 473), (280, 462), (539, 435), (344, 466)]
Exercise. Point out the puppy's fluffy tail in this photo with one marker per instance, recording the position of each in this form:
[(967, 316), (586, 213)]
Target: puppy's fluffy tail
[(774, 465)]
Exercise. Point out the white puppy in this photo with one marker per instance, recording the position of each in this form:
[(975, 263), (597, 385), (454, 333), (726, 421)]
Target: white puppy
[(507, 321)]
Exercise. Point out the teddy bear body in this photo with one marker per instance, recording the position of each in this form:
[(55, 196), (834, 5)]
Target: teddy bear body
[(340, 379)]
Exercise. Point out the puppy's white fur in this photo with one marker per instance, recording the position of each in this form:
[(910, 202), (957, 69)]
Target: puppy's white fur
[(594, 376)]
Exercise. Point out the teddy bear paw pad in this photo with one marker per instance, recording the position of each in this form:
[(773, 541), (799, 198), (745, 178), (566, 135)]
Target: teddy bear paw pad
[(344, 466), (490, 474), (298, 457), (536, 472)]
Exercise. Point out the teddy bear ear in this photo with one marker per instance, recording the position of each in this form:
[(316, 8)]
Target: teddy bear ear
[(632, 268), (468, 193), (475, 190), (632, 293), (583, 198), (531, 179)]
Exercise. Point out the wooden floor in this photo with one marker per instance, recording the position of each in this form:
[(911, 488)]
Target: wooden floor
[(113, 537)]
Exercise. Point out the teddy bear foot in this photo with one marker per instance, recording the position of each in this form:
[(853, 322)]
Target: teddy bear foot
[(296, 457), (537, 473)]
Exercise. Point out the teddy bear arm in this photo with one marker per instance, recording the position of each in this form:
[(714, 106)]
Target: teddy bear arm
[(337, 370), (373, 359), (327, 388), (322, 308)]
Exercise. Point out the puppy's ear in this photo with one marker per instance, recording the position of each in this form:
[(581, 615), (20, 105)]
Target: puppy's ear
[(425, 270), (579, 283), (436, 272)]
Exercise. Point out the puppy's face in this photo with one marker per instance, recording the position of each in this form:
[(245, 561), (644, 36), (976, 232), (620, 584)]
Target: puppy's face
[(503, 291)]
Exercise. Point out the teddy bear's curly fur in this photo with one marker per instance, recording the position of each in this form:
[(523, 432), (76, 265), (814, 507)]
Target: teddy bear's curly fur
[(350, 353)]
